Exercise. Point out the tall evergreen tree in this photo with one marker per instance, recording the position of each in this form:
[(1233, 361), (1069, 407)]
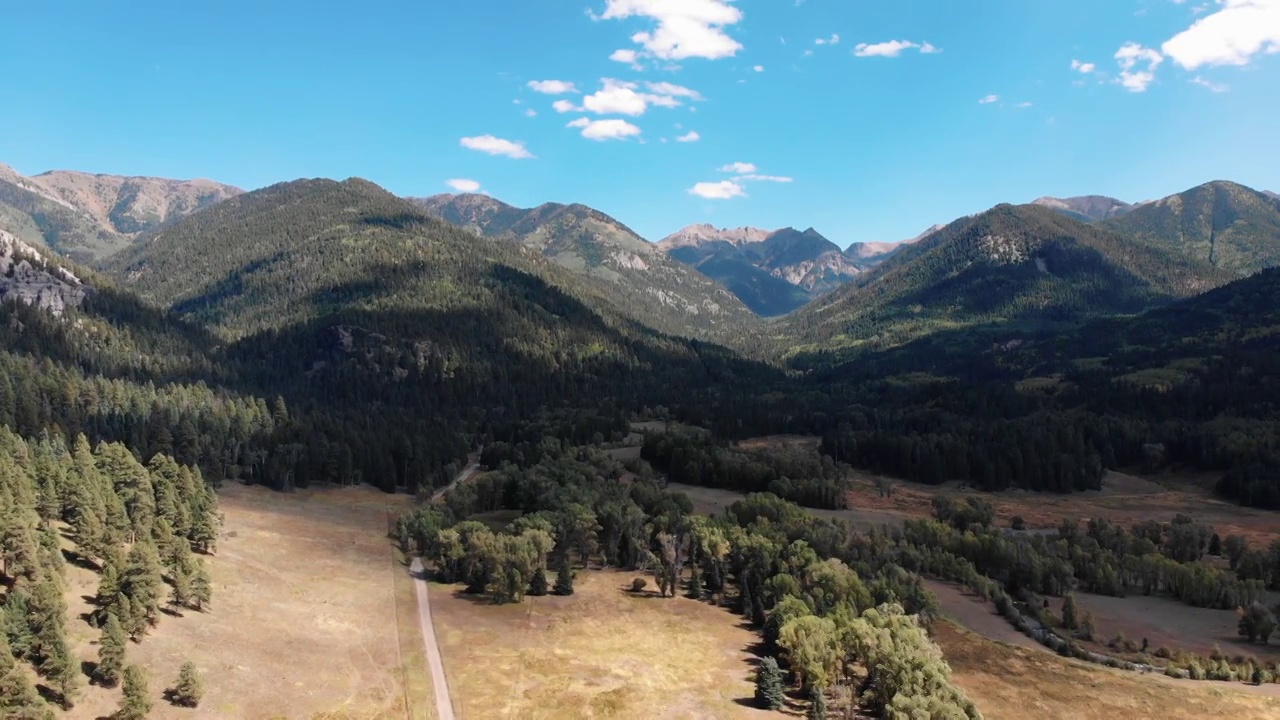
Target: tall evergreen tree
[(1070, 619), (770, 693), (136, 701), (564, 578), (111, 652)]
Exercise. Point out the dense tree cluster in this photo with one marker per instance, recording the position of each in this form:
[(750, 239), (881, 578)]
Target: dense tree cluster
[(141, 525), (810, 585), (800, 476)]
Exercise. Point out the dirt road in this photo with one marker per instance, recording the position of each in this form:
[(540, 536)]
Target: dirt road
[(444, 706), (463, 476)]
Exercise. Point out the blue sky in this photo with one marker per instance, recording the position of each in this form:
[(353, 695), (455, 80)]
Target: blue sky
[(874, 133)]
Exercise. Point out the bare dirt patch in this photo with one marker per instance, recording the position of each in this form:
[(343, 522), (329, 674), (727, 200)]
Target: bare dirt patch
[(714, 501), (305, 618), (966, 609), (1017, 683), (1170, 624), (602, 652)]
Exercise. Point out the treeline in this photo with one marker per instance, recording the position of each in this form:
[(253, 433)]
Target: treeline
[(1103, 558), (142, 527), (1053, 453), (798, 475), (843, 622)]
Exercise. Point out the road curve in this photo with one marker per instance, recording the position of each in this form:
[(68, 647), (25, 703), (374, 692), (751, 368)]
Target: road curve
[(444, 706)]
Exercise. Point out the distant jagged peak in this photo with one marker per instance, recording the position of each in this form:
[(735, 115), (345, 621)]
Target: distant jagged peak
[(704, 233)]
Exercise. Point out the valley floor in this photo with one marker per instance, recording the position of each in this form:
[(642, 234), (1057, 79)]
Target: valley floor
[(603, 652), (306, 616)]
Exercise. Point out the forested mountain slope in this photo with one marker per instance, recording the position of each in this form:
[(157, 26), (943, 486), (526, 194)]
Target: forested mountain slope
[(1230, 226), (611, 258), (406, 334), (1024, 263), (86, 216)]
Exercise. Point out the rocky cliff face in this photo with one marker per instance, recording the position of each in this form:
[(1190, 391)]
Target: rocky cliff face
[(27, 277)]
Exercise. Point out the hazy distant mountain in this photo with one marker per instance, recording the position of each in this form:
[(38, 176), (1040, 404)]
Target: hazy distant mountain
[(1229, 225), (640, 278), (867, 255), (1087, 208), (773, 272), (89, 216), (1268, 193)]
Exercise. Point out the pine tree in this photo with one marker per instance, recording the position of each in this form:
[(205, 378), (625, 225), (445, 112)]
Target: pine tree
[(141, 583), (22, 641), (564, 578), (18, 697), (770, 693), (181, 587), (136, 702), (817, 704), (538, 585), (111, 652), (189, 689), (64, 673), (1069, 619), (201, 588)]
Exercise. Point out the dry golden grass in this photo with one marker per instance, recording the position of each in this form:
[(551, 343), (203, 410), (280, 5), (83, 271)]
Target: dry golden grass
[(1124, 499), (1016, 683), (602, 653), (308, 604)]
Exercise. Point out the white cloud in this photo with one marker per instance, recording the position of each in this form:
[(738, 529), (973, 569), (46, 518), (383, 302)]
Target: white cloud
[(892, 48), (758, 68), (552, 87), (624, 56), (463, 185), (1209, 85), (1083, 68), (1137, 66), (672, 90), (765, 178), (1233, 35), (739, 168), (1024, 105), (685, 28), (989, 99), (496, 146), (618, 97), (723, 190), (691, 136), (531, 113), (605, 129), (833, 40)]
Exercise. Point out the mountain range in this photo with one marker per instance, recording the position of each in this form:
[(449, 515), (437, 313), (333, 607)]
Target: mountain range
[(87, 217), (621, 265), (1054, 260), (773, 272)]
